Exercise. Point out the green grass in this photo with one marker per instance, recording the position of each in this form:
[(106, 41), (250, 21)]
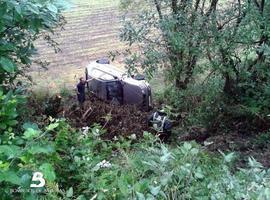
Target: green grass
[(157, 83)]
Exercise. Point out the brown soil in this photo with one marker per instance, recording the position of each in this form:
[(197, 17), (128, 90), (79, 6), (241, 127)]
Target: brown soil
[(126, 120), (117, 120), (245, 142)]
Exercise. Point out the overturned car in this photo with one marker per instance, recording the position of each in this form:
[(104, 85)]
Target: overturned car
[(113, 85)]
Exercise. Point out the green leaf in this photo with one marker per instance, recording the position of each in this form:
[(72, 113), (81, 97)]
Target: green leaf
[(154, 190), (52, 8), (30, 196), (3, 8), (10, 176), (48, 171), (7, 64), (36, 149), (166, 178), (52, 126), (267, 193), (229, 157), (70, 192), (33, 8), (7, 47), (123, 185), (10, 151), (96, 168), (199, 173), (140, 196), (253, 163), (18, 9), (26, 180), (30, 125), (81, 197), (166, 157), (30, 134), (187, 146), (3, 126), (12, 122), (63, 4)]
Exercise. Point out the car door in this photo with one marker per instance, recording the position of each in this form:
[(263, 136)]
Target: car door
[(114, 92)]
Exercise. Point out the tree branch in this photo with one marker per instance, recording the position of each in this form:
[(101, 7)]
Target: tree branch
[(158, 9), (262, 6), (213, 7), (197, 4), (174, 6), (257, 4)]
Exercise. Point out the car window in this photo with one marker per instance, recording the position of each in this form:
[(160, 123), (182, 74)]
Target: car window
[(114, 92)]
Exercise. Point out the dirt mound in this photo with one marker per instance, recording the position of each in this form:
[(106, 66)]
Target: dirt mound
[(117, 120)]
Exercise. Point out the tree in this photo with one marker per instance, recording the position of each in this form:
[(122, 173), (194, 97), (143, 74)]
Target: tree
[(21, 23), (170, 34), (229, 39), (239, 52)]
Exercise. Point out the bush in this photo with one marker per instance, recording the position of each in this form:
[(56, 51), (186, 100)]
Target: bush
[(21, 155), (80, 165), (203, 104), (8, 110), (200, 103), (263, 140), (152, 170)]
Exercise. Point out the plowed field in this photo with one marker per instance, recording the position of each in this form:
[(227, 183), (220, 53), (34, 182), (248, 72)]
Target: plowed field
[(91, 32)]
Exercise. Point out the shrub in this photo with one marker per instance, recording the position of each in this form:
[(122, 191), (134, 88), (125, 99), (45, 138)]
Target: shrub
[(200, 103), (152, 170), (80, 165), (21, 154), (8, 110)]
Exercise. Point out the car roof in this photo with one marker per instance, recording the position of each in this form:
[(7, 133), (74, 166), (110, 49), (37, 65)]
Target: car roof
[(104, 71), (109, 72)]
